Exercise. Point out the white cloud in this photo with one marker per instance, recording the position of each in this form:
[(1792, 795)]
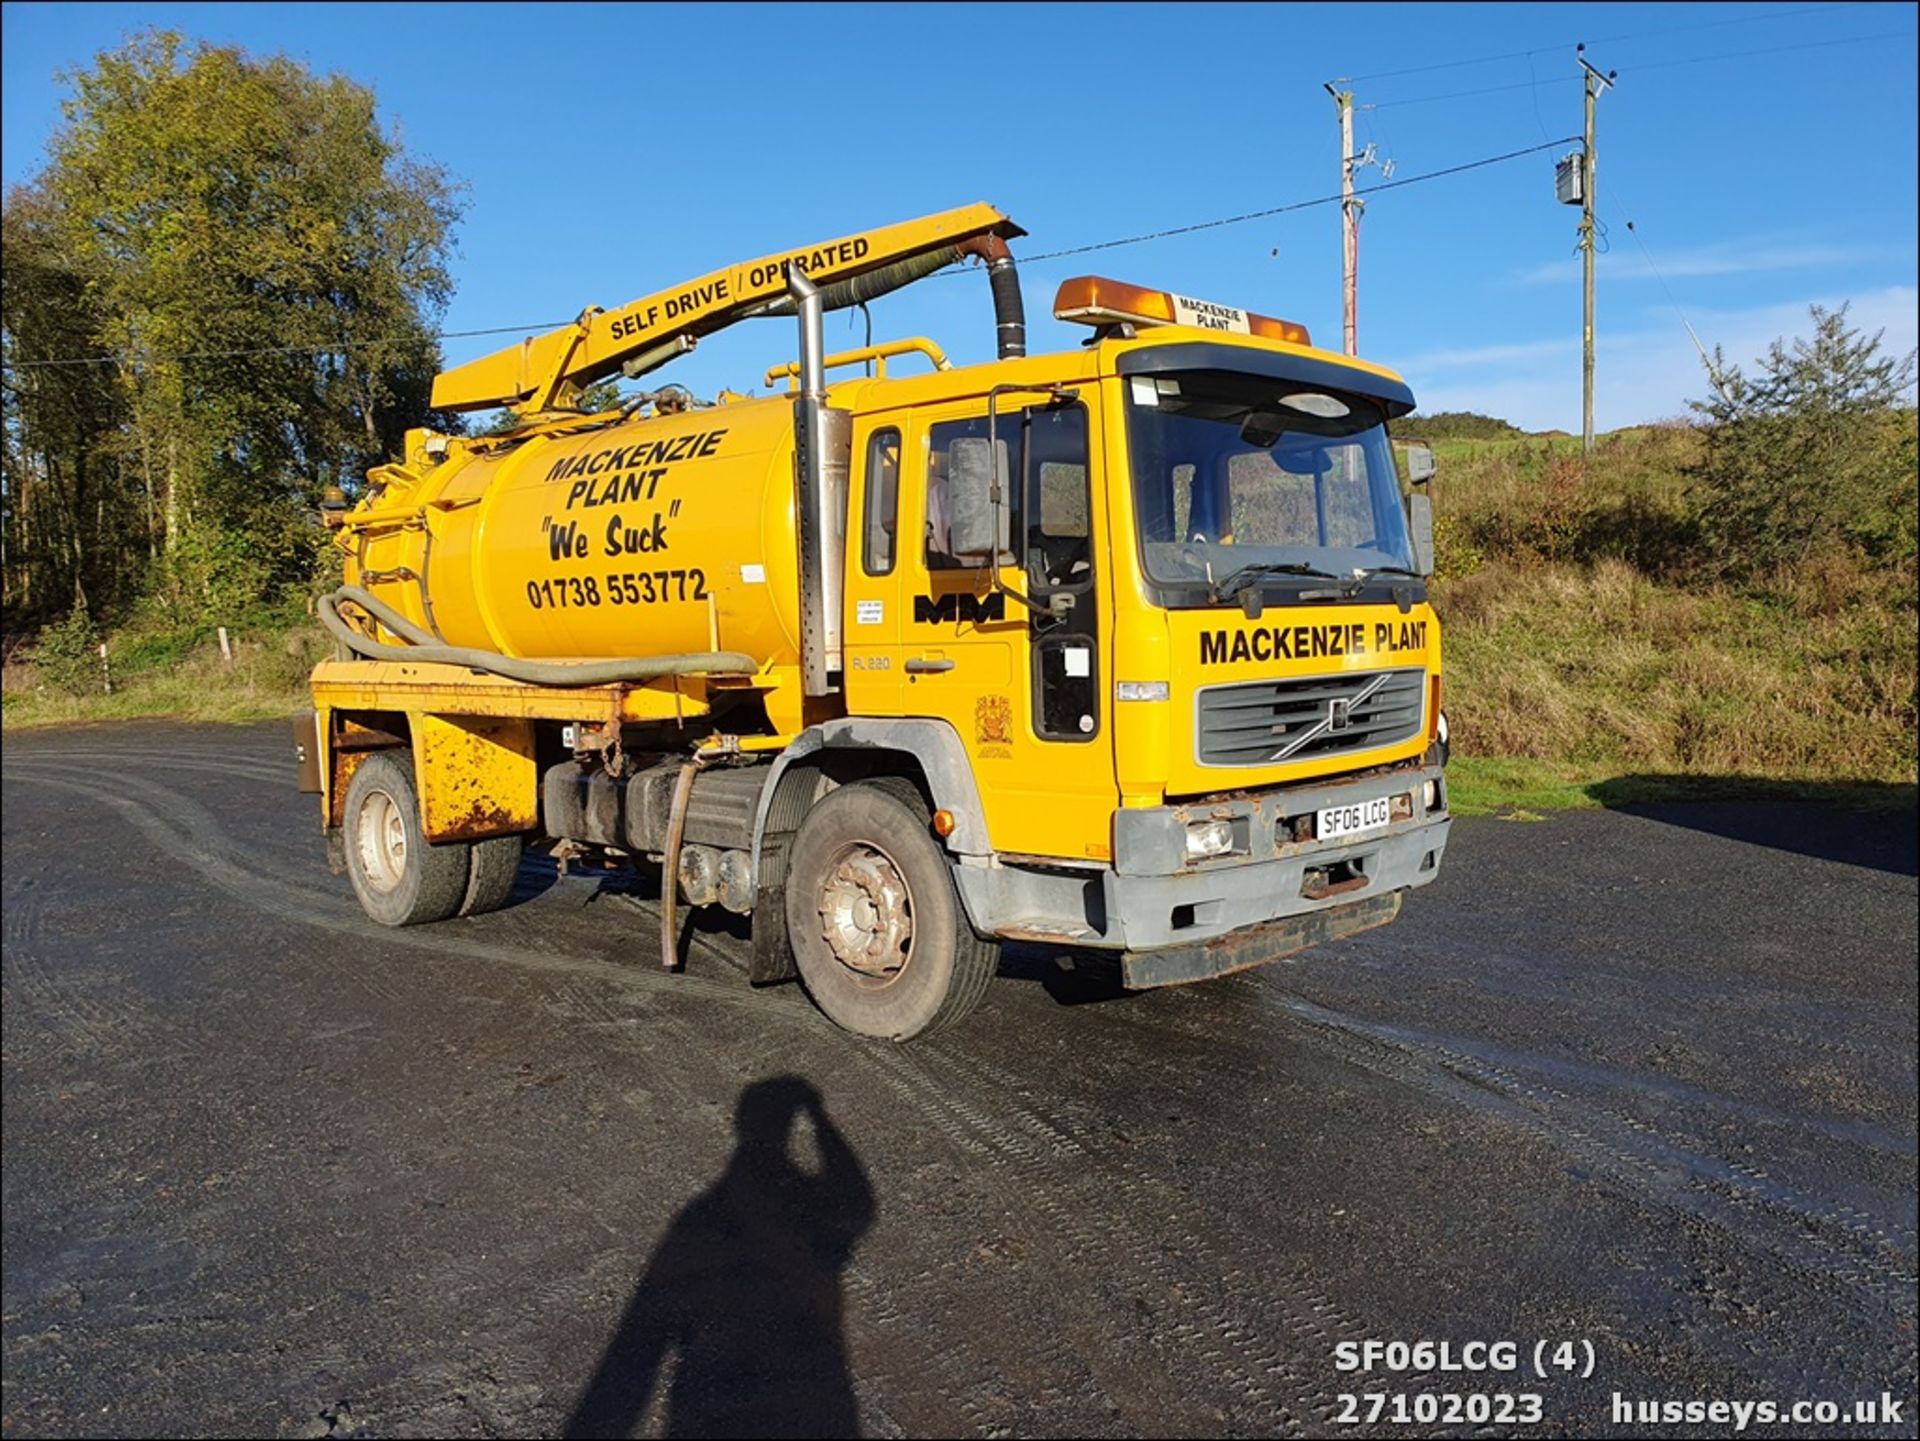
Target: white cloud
[(1626, 261), (1639, 375)]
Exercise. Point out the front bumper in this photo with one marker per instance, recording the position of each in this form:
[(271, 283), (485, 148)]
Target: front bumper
[(1153, 898)]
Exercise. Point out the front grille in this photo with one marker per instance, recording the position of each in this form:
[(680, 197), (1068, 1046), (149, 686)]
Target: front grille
[(1270, 722)]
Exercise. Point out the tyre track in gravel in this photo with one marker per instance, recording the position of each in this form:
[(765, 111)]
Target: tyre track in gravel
[(1817, 1236), (71, 1017), (109, 764), (1280, 1326), (1779, 1275), (1731, 1195), (195, 838), (186, 830), (1039, 1169)]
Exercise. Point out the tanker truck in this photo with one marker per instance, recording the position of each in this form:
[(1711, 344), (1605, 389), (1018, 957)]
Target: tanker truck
[(1123, 650)]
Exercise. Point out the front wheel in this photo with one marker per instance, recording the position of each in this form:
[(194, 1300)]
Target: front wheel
[(881, 942)]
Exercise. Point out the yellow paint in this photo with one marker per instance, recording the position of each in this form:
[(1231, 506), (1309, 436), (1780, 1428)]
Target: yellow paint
[(879, 355), (476, 776)]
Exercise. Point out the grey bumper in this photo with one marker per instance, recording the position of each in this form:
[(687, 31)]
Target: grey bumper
[(1153, 898)]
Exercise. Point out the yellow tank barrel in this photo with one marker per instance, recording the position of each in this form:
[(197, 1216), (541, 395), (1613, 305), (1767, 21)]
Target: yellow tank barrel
[(535, 374)]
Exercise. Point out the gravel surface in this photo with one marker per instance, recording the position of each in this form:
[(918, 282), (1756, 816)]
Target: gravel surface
[(1644, 1082)]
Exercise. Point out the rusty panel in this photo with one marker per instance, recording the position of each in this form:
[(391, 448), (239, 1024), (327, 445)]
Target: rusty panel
[(306, 752), (476, 776), (345, 763)]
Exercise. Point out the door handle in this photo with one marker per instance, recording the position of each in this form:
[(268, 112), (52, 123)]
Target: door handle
[(925, 665)]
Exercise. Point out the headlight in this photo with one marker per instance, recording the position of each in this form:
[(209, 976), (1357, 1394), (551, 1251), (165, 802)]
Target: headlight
[(1140, 690), (1209, 838), (1432, 796)]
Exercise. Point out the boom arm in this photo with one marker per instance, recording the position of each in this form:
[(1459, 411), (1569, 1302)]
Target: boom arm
[(543, 371)]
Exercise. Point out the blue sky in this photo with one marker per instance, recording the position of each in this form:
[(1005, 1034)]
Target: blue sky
[(1764, 153)]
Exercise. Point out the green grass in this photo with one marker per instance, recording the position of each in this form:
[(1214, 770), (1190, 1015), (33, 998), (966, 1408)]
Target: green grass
[(1524, 790), (1592, 658), (181, 679)]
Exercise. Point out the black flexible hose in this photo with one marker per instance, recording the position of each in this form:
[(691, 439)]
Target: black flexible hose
[(1009, 311), (423, 646)]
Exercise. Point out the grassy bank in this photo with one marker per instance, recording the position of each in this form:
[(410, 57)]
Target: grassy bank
[(1594, 657), (173, 671)]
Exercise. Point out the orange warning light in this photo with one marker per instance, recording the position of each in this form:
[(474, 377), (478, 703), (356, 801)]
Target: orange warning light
[(1095, 300)]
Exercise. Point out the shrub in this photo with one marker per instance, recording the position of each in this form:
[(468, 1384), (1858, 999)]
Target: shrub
[(1817, 453), (66, 656)]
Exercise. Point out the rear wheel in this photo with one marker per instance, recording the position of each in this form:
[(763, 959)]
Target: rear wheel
[(882, 944), (491, 873), (400, 879)]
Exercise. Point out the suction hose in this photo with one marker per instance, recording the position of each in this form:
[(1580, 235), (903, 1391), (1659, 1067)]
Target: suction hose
[(422, 645)]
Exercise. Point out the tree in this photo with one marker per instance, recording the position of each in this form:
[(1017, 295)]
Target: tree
[(264, 266), (1817, 451), (64, 525)]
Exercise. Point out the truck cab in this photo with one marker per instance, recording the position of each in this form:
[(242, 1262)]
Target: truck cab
[(1198, 684)]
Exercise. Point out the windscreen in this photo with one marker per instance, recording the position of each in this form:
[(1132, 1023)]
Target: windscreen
[(1232, 470)]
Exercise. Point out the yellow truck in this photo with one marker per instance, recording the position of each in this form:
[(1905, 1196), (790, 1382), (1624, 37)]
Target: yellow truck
[(1124, 649)]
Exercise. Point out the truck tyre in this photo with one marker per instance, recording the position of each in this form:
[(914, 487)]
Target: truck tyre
[(401, 879), (491, 873), (879, 936)]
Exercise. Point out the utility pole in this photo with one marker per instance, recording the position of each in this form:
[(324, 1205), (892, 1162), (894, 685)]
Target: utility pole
[(1350, 208), (1595, 84)]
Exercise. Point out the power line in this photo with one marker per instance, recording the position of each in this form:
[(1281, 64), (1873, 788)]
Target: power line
[(1604, 40), (1333, 199), (1773, 50), (334, 349), (1534, 84)]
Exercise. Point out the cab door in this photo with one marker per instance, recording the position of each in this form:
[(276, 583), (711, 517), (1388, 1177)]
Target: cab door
[(1024, 685)]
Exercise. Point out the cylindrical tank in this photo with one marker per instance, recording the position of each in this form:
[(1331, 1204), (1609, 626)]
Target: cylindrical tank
[(647, 537)]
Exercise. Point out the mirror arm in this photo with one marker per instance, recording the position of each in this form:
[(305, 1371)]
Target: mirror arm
[(1059, 394)]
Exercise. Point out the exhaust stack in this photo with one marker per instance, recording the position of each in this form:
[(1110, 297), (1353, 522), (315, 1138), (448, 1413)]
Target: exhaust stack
[(822, 449)]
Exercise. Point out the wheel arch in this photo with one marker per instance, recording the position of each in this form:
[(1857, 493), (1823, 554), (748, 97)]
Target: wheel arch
[(927, 752), (836, 753)]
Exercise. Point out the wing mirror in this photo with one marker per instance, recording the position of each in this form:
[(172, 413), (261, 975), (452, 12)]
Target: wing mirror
[(1420, 465), (979, 528), (1420, 530)]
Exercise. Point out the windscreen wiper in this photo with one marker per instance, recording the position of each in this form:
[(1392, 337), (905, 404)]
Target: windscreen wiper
[(1246, 575), (1361, 577)]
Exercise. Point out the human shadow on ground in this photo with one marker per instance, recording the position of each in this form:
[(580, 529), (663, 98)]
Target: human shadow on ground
[(738, 1312), (1857, 823)]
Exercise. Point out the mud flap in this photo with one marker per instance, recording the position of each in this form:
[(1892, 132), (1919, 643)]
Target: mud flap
[(770, 957), (1252, 946)]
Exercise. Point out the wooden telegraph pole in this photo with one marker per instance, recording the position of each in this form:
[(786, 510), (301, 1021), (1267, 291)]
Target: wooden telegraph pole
[(1350, 207), (1596, 83)]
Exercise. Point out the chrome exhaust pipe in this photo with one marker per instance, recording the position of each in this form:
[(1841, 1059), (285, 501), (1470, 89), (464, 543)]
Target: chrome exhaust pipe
[(822, 446)]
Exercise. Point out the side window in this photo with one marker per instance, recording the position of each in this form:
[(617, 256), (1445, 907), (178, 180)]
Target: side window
[(882, 508), (1060, 523)]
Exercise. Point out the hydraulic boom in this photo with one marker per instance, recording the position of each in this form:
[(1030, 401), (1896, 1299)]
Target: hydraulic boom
[(544, 372)]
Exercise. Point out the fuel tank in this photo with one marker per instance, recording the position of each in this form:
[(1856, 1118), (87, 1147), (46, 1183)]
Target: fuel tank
[(641, 537)]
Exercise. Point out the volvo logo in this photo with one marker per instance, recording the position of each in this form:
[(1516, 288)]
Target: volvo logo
[(1339, 717)]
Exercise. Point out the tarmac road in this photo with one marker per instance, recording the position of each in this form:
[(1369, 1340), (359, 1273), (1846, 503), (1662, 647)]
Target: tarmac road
[(1644, 1081)]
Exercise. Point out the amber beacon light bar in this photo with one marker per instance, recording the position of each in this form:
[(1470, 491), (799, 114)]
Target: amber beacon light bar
[(1094, 300)]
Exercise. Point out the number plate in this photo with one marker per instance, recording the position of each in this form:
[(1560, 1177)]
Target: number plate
[(1338, 821)]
